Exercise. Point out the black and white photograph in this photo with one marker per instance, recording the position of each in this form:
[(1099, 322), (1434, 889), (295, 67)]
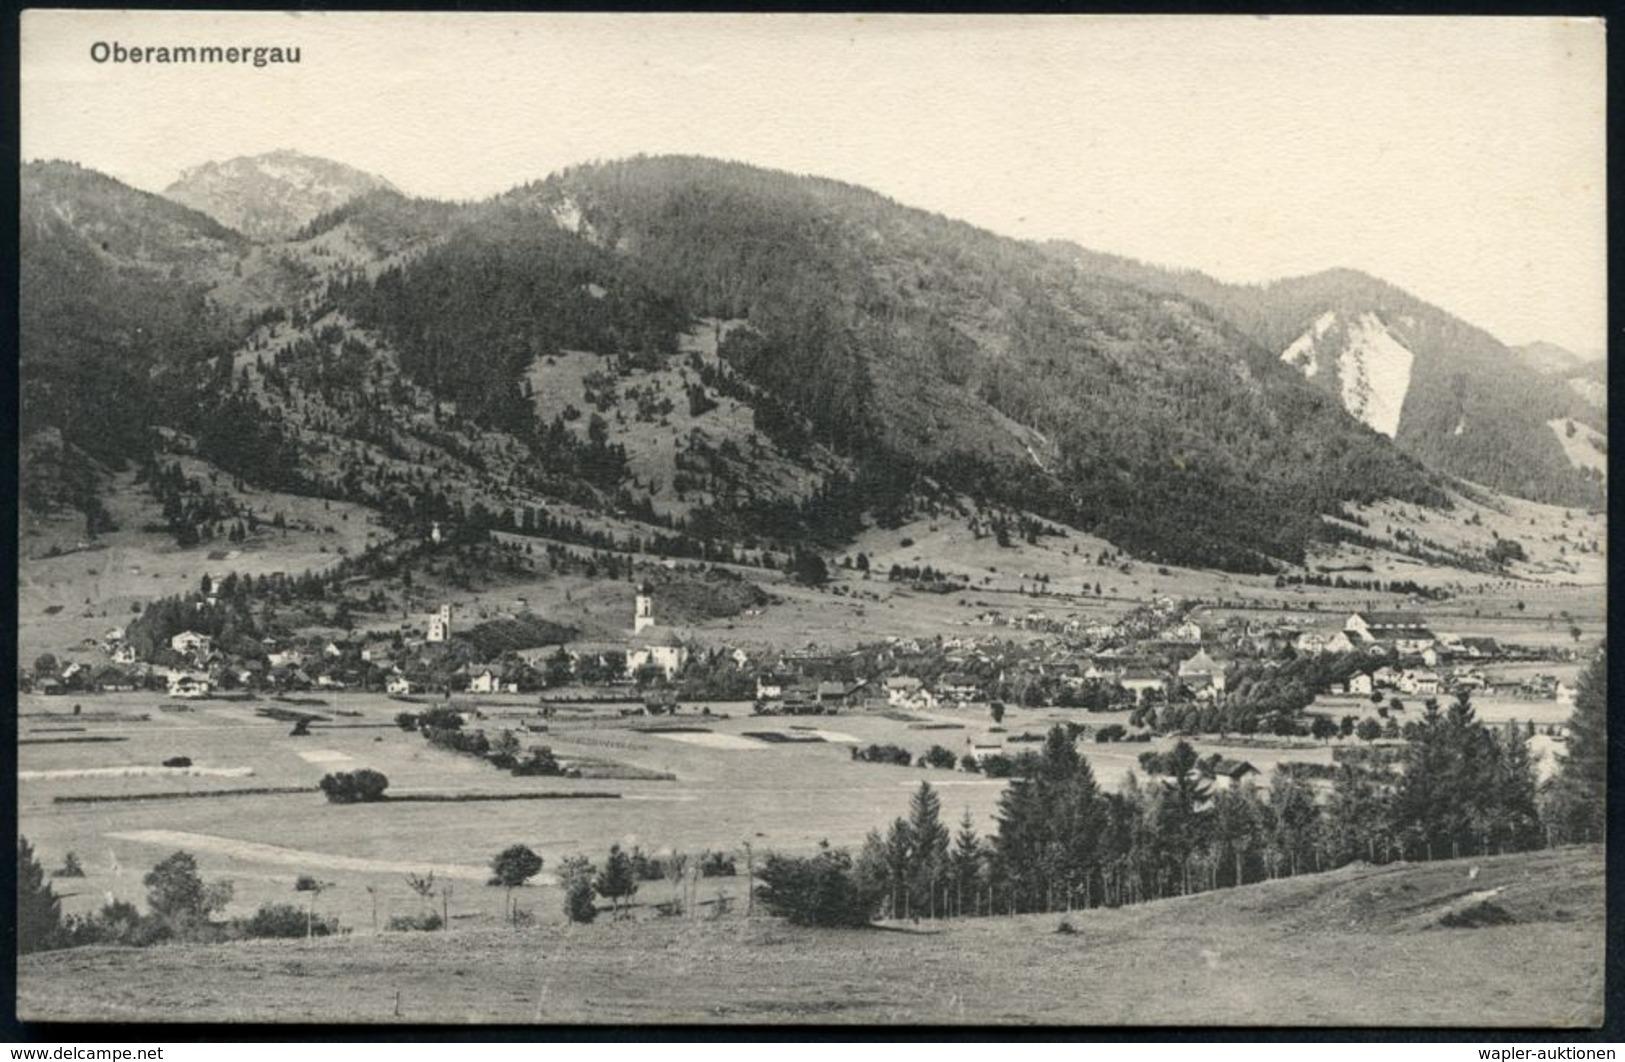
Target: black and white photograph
[(780, 520)]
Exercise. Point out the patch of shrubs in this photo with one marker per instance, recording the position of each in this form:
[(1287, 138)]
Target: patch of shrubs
[(178, 761), (473, 742), (818, 891), (997, 765), (539, 761), (423, 923), (363, 786), (284, 921), (939, 757), (892, 754), (717, 865), (1000, 765)]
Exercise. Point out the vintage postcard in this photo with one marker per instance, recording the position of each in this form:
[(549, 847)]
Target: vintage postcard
[(776, 519)]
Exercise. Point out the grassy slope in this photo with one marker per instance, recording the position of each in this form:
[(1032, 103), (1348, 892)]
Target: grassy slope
[(95, 588), (1358, 946)]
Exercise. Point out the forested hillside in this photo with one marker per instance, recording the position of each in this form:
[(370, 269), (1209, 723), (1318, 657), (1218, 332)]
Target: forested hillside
[(738, 354), (112, 285), (899, 336)]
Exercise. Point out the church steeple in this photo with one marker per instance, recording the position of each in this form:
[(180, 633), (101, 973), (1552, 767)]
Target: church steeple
[(643, 615)]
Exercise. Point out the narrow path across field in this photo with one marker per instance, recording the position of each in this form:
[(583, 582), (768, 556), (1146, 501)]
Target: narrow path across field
[(136, 771), (296, 857)]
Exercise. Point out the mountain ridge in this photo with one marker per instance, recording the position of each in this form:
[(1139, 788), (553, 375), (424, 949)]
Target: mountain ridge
[(864, 350), (1459, 399), (271, 195)]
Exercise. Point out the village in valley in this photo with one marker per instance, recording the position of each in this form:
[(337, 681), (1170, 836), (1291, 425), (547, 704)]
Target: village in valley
[(1158, 661), (719, 552)]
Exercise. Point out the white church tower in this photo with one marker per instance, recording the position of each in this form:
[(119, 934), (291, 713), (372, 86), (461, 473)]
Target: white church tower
[(440, 625), (643, 615)]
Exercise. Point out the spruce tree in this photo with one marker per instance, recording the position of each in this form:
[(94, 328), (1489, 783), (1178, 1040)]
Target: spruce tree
[(1579, 793), (39, 911), (928, 858), (616, 882), (963, 863)]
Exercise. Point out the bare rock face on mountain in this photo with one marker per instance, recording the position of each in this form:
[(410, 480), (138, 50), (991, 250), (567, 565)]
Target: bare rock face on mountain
[(270, 197), (1445, 391)]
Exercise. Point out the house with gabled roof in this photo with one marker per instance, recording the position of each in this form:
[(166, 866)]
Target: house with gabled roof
[(1229, 773), (958, 686), (1202, 670), (1386, 626)]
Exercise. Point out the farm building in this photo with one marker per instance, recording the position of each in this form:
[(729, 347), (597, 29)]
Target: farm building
[(1395, 627), (1202, 671), (184, 684), (906, 691), (1188, 633), (1318, 642), (491, 680), (191, 642), (958, 687), (1228, 774), (1419, 683)]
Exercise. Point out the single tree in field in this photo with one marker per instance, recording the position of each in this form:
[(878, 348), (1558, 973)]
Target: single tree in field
[(675, 867), (422, 887), (315, 888), (176, 892), (1368, 729), (996, 710), (1324, 728), (576, 875), (39, 911), (511, 868), (617, 882)]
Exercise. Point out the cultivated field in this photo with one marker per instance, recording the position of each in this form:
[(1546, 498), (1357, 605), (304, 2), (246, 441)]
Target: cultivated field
[(730, 789), (1358, 946)]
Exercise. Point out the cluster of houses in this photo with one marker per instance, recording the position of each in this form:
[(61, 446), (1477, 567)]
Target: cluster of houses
[(1157, 649)]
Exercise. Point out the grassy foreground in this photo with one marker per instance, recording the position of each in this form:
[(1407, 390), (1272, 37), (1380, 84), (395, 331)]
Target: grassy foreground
[(1359, 946)]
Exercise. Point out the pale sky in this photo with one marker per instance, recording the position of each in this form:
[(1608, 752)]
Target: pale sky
[(1460, 158)]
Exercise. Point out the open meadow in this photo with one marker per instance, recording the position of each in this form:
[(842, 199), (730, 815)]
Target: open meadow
[(729, 789), (1358, 946)]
